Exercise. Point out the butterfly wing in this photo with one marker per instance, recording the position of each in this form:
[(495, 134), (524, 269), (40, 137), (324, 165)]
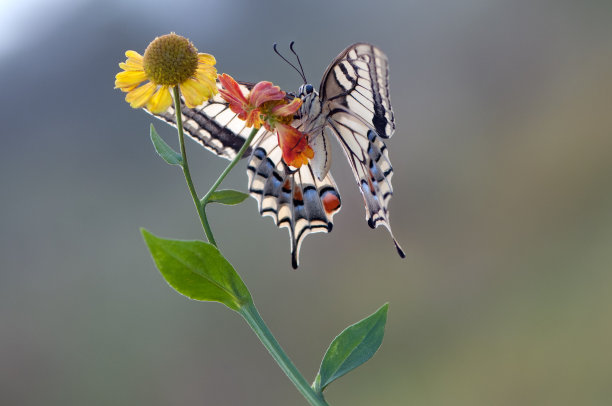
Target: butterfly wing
[(297, 200), (355, 95), (214, 125)]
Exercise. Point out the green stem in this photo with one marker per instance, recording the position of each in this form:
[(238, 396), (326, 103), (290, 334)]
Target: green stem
[(185, 166), (252, 317), (227, 170), (248, 311)]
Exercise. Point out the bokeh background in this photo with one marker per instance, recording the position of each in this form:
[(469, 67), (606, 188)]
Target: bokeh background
[(503, 203)]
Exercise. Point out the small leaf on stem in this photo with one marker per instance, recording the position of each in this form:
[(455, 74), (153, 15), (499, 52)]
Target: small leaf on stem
[(198, 270), (353, 346), (229, 197), (164, 150)]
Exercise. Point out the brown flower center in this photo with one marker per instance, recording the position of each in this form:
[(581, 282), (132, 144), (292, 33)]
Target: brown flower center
[(170, 60)]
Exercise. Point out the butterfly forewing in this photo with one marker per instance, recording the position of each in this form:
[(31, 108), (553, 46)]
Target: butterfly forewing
[(358, 81), (213, 125), (355, 95)]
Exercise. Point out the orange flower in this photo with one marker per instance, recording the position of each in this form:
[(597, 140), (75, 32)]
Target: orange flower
[(294, 145), (266, 104), (249, 108)]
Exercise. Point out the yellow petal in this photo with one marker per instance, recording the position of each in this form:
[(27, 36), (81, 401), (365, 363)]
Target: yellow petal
[(134, 61), (134, 55), (210, 83), (140, 96), (207, 72), (160, 101), (207, 59), (129, 79), (207, 69), (131, 65), (195, 92)]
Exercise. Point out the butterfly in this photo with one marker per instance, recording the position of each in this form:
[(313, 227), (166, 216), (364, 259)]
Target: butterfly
[(352, 105)]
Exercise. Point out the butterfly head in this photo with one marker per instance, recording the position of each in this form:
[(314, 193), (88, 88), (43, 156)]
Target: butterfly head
[(306, 90), (311, 105)]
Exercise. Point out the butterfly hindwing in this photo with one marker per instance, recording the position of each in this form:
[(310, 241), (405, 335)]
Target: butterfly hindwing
[(295, 199)]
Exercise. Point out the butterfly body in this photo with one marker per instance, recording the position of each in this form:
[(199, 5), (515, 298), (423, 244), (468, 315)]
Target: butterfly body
[(312, 118), (353, 106), (313, 121)]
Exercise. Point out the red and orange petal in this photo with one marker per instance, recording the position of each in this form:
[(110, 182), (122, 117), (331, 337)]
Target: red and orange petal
[(294, 145), (253, 118), (238, 102), (287, 109), (264, 92), (232, 93)]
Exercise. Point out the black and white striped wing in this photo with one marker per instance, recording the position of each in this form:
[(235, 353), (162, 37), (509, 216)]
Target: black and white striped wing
[(297, 200), (214, 125), (355, 95)]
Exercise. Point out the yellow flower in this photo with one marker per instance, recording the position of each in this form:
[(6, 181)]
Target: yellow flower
[(168, 61)]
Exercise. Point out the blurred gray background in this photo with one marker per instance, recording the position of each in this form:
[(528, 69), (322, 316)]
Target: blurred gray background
[(503, 168)]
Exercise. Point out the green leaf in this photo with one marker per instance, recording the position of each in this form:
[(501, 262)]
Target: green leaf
[(229, 197), (353, 346), (164, 150), (198, 270)]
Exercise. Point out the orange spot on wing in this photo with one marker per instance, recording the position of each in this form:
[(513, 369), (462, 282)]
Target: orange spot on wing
[(297, 194), (331, 202), (372, 190)]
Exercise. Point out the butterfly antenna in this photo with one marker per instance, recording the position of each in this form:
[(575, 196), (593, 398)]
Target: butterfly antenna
[(299, 62), (290, 64)]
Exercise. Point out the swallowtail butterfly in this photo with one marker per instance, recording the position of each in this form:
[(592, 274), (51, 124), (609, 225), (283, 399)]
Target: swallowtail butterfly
[(353, 106)]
